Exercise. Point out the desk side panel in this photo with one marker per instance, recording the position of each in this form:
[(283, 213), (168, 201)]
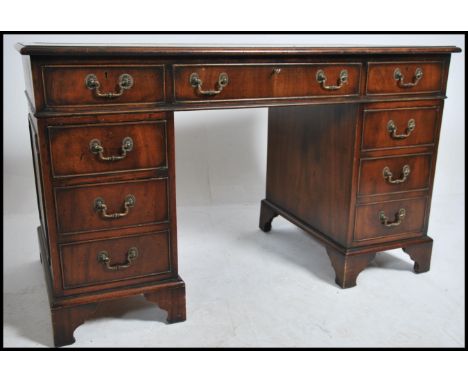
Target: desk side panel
[(310, 163)]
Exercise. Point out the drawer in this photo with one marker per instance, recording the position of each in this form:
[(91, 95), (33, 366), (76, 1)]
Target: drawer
[(102, 85), (104, 148), (260, 81), (112, 260), (395, 218), (404, 77), (394, 174), (399, 127), (83, 208)]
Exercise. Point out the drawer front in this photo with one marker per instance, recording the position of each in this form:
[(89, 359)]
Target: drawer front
[(75, 85), (255, 81), (383, 219), (394, 174), (81, 209), (103, 148), (399, 127), (404, 77), (105, 261)]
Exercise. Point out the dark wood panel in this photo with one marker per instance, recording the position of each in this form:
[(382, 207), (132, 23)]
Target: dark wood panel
[(76, 205), (81, 265), (378, 132), (38, 178), (71, 153), (66, 84), (369, 225), (310, 159), (381, 80), (50, 230), (251, 81), (374, 180)]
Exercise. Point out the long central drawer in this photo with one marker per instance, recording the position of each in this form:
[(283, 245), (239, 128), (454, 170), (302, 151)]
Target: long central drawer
[(212, 82)]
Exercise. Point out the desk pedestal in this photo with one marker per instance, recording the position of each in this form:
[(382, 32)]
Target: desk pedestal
[(314, 178)]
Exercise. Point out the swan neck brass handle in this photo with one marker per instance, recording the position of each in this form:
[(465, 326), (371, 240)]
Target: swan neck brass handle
[(197, 83), (92, 83), (400, 78), (399, 216), (104, 258), (100, 206), (388, 176), (322, 78), (391, 128), (96, 148)]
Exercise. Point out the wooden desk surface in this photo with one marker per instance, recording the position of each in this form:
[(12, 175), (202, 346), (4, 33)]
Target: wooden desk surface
[(223, 50)]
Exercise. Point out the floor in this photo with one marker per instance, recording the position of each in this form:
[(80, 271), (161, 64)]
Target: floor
[(246, 288)]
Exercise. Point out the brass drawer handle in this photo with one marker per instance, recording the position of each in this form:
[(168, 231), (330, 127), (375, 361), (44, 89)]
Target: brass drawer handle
[(100, 206), (391, 128), (197, 83), (322, 78), (104, 258), (399, 77), (97, 149), (399, 216), (125, 83), (388, 176)]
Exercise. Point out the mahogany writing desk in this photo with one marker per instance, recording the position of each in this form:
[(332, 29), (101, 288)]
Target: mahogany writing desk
[(352, 146)]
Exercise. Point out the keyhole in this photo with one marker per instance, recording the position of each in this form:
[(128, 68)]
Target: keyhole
[(105, 75)]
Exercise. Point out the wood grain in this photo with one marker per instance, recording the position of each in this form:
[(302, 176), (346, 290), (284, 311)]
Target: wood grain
[(261, 81), (71, 154), (65, 84), (81, 266), (380, 78), (310, 158), (376, 135), (151, 206)]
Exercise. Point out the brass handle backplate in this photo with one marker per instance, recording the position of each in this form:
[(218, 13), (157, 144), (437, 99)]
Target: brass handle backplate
[(197, 83), (125, 83), (100, 206), (399, 77), (96, 148), (322, 78), (388, 176), (399, 216), (104, 258), (391, 128)]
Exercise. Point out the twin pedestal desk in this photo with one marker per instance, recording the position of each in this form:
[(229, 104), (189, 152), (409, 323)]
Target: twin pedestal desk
[(352, 146)]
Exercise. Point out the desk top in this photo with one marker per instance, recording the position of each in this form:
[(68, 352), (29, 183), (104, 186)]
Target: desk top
[(222, 50)]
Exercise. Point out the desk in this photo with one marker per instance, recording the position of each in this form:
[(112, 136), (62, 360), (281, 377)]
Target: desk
[(352, 147)]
